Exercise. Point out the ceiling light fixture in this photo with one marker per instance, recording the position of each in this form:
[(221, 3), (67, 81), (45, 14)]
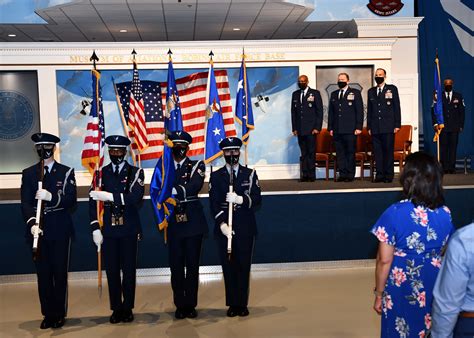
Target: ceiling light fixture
[(236, 29), (123, 31), (12, 35), (340, 32)]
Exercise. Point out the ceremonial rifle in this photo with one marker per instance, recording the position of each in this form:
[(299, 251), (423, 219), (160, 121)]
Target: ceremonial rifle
[(39, 209), (231, 211)]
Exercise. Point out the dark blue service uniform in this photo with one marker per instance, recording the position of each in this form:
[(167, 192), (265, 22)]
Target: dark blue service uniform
[(120, 230), (186, 229), (453, 115), (237, 269), (346, 114), (383, 116), (54, 246), (306, 115)]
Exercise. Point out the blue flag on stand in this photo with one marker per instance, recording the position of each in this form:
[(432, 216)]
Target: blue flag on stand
[(215, 131), (161, 187), (243, 104), (174, 120), (438, 100)]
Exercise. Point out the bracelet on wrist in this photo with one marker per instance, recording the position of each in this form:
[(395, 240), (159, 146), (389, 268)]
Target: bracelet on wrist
[(378, 293)]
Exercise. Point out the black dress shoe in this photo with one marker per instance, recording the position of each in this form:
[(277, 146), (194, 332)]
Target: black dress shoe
[(232, 311), (341, 179), (311, 179), (387, 180), (46, 323), (348, 180), (116, 317), (378, 180), (192, 313), (452, 171), (127, 316), (243, 312), (180, 313), (59, 322)]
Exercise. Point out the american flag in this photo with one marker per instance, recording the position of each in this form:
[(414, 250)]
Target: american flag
[(136, 115), (192, 95), (153, 108), (94, 143)]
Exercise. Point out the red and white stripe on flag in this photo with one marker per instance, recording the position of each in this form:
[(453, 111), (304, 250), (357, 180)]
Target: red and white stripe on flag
[(192, 95)]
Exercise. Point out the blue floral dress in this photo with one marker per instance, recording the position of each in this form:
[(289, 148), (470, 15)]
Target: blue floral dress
[(419, 236)]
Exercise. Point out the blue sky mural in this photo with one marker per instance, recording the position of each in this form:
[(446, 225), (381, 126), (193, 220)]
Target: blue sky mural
[(271, 141)]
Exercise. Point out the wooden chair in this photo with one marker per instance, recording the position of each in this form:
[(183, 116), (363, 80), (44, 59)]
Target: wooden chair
[(402, 146), (324, 149), (363, 155)]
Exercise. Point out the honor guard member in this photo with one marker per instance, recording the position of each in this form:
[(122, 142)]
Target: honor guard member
[(55, 228), (453, 115), (383, 122), (122, 191), (245, 198), (186, 228), (306, 121), (345, 119)]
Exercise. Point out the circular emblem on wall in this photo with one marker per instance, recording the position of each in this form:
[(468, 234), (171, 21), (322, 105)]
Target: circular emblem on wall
[(16, 115), (385, 7)]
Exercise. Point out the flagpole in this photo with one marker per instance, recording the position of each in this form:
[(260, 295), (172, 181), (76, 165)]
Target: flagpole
[(124, 122), (246, 158), (134, 53), (94, 58)]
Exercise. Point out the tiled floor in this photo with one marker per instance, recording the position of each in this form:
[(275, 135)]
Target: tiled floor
[(309, 303)]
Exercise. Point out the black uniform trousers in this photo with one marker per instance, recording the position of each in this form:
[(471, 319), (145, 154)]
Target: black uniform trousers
[(383, 152), (237, 269), (121, 254), (345, 154), (448, 143), (307, 145), (184, 257), (51, 269)]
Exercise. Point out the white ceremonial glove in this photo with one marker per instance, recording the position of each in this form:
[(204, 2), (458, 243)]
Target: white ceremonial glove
[(232, 197), (36, 231), (226, 230), (97, 238), (101, 196), (174, 192), (43, 194)]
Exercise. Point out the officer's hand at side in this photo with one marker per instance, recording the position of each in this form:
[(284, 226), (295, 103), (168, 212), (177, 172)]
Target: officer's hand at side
[(396, 130), (101, 196), (232, 197), (225, 230), (97, 238), (295, 133), (331, 133), (314, 131), (36, 231), (357, 132), (435, 127), (43, 194)]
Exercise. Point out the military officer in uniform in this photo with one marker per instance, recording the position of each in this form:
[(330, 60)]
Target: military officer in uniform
[(121, 191), (245, 197), (383, 122), (306, 122), (345, 119), (186, 227), (55, 228), (453, 115)]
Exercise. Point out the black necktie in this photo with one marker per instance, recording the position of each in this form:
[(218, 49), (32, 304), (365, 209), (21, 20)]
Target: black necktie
[(178, 166), (46, 171), (341, 94), (301, 96), (449, 97), (380, 92), (116, 172)]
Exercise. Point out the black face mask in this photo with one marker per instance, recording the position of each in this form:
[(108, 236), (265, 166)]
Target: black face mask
[(231, 159), (116, 159), (341, 84), (44, 153), (379, 79), (179, 153), (448, 88), (302, 86)]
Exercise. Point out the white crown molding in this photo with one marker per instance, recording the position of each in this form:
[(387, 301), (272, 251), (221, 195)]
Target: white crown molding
[(383, 28)]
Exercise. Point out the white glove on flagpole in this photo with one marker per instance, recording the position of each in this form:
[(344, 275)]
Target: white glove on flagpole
[(104, 196), (97, 238), (232, 197), (225, 229), (36, 231), (43, 194)]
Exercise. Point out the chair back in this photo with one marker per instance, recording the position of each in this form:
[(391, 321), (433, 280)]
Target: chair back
[(364, 142), (403, 135), (323, 141)]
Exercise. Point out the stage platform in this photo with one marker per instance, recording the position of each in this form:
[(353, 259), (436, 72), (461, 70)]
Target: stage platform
[(297, 222)]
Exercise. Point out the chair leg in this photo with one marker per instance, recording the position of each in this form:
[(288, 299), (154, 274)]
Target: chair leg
[(327, 170), (362, 176)]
